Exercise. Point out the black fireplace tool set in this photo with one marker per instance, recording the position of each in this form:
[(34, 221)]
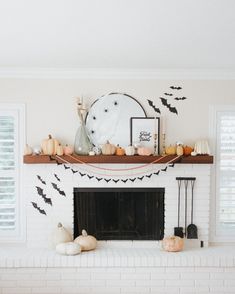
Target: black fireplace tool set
[(189, 231)]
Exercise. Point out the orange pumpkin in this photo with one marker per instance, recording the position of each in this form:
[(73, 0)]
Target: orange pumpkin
[(173, 244), (120, 151), (187, 150)]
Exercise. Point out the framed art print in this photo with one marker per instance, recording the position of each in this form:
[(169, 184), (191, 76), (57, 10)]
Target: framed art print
[(145, 132)]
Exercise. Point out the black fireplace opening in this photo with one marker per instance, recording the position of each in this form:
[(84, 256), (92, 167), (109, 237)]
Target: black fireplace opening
[(119, 213)]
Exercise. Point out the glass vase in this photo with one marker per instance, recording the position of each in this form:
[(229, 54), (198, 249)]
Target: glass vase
[(82, 145)]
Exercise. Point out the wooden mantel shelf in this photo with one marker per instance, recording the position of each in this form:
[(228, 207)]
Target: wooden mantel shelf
[(199, 159)]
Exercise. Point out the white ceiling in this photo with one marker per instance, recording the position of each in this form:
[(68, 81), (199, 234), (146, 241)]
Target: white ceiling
[(153, 34)]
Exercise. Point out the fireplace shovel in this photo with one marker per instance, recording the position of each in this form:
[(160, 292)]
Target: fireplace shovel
[(192, 232), (178, 231)]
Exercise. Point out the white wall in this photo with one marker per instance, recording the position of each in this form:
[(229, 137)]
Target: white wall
[(50, 104)]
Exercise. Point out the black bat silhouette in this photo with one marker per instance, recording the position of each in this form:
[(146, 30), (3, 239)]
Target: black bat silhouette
[(44, 196), (164, 169), (171, 109), (66, 167), (58, 163), (157, 173), (42, 211), (41, 180), (175, 88), (115, 181), (98, 179), (168, 94), (140, 178), (58, 179), (81, 174), (74, 171), (61, 192), (90, 177), (132, 179), (171, 165), (107, 180), (124, 181), (180, 98), (154, 107), (149, 176)]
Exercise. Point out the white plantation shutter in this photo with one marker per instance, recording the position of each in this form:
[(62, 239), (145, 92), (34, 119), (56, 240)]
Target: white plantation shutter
[(225, 172), (10, 153)]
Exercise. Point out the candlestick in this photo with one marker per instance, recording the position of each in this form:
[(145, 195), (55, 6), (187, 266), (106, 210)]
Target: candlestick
[(155, 144), (163, 144)]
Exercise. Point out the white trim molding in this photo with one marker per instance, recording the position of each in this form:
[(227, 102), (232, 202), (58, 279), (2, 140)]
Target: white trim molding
[(117, 73)]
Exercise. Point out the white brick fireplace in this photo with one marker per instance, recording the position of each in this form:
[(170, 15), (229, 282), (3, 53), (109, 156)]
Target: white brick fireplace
[(115, 266), (40, 227)]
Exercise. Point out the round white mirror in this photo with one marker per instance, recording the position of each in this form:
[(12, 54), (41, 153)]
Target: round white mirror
[(109, 118)]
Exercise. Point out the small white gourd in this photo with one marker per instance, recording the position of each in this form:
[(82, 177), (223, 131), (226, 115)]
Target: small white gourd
[(61, 235), (28, 150), (69, 248), (130, 150), (87, 242)]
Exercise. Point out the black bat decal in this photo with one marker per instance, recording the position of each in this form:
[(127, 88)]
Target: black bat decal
[(171, 165), (58, 179), (149, 176), (107, 180), (61, 192), (168, 94), (115, 181), (81, 174), (42, 211), (175, 88), (124, 181), (44, 196), (140, 178), (157, 173), (154, 107), (41, 180), (171, 109), (98, 179), (66, 167), (90, 177), (132, 179), (180, 98), (164, 169), (74, 171)]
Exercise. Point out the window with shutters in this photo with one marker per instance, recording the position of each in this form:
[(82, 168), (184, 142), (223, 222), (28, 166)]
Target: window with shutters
[(11, 139), (224, 186)]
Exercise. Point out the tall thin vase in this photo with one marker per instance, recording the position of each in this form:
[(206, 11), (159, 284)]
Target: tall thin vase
[(82, 145)]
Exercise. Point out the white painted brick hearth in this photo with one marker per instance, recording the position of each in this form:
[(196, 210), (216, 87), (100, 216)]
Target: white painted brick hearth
[(40, 227)]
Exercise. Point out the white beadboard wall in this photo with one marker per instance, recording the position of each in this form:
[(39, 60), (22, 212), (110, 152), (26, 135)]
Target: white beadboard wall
[(40, 227)]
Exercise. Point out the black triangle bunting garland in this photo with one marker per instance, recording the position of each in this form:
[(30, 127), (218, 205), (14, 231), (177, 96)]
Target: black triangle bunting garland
[(115, 180)]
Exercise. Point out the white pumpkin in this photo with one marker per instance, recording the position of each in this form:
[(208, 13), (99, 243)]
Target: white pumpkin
[(61, 235), (130, 150), (28, 150), (87, 242), (69, 248)]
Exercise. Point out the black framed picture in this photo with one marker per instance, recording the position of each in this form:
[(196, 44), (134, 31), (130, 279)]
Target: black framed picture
[(143, 132)]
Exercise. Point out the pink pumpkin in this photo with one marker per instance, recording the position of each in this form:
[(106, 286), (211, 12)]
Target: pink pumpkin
[(144, 151), (173, 244), (68, 150)]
